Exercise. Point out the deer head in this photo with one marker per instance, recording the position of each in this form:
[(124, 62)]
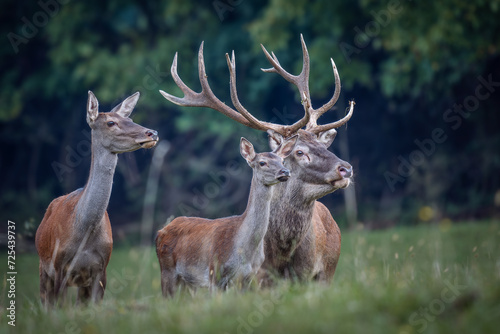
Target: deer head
[(268, 167), (114, 130), (315, 168)]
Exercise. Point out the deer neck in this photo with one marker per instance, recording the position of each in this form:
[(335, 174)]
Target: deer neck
[(255, 218), (95, 195), (290, 213)]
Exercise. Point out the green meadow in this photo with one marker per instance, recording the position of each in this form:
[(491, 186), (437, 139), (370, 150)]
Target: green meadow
[(425, 279)]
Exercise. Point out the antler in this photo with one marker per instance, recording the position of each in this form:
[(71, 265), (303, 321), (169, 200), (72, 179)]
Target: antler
[(206, 98), (321, 128), (301, 80), (302, 83), (285, 130)]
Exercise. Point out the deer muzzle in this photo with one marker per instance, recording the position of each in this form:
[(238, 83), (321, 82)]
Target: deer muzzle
[(283, 175), (345, 172), (151, 139)]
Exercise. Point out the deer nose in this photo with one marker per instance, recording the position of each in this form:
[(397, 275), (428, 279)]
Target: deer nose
[(284, 171), (153, 134), (345, 172), (283, 175)]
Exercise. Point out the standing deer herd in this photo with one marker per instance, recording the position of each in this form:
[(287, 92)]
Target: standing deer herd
[(283, 233)]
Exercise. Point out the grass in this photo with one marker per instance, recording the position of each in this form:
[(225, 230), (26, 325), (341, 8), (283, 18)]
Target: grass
[(426, 279)]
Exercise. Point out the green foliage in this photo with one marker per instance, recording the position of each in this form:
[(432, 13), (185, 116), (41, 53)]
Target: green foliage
[(404, 62), (436, 279)]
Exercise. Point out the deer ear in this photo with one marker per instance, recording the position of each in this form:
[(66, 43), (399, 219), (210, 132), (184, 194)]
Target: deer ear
[(125, 108), (275, 139), (246, 149), (287, 147), (92, 108), (327, 137)]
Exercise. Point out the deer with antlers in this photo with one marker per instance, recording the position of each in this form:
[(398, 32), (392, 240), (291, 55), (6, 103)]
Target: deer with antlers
[(74, 240), (198, 252), (303, 239)]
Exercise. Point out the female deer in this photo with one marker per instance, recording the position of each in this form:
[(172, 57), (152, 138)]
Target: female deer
[(74, 239), (206, 253)]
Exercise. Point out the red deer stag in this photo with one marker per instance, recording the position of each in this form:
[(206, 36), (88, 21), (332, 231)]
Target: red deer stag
[(303, 239), (74, 239), (200, 252)]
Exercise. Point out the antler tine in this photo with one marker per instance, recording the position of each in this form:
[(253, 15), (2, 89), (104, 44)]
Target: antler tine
[(316, 113), (301, 80), (291, 129), (302, 83), (188, 92), (206, 91), (320, 128), (285, 130), (231, 64), (206, 98)]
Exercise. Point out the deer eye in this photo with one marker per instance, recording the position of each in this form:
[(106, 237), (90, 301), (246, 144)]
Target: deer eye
[(262, 163), (110, 123), (299, 153)]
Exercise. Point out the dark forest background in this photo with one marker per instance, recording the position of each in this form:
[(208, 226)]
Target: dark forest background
[(424, 139)]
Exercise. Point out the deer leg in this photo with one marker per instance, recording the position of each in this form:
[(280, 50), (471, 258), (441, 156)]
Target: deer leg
[(47, 292), (62, 295), (94, 292), (59, 288), (303, 260), (263, 278), (168, 283), (326, 275), (98, 287), (84, 293)]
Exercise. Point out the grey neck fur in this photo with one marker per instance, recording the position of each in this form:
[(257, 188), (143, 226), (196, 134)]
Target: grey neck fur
[(95, 197), (290, 213), (255, 222)]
